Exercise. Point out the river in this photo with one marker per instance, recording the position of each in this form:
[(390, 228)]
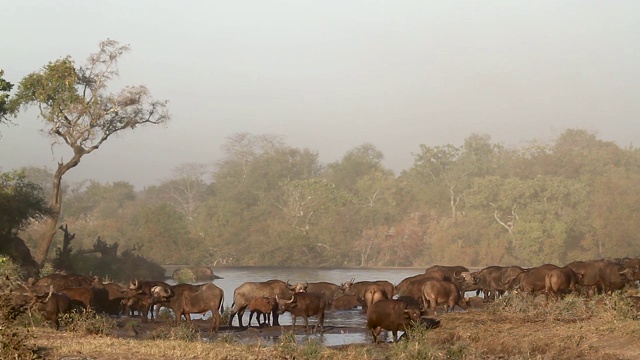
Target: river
[(232, 277)]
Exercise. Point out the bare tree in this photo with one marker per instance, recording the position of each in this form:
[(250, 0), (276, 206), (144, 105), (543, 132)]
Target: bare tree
[(80, 112)]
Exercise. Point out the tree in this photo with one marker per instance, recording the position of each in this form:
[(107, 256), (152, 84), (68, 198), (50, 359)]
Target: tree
[(20, 202), (78, 110), (7, 107)]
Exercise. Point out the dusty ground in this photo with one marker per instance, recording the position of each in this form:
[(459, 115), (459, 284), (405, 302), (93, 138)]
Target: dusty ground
[(542, 333)]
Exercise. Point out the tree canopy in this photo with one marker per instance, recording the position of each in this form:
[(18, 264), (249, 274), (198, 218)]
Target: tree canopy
[(79, 111), (480, 203)]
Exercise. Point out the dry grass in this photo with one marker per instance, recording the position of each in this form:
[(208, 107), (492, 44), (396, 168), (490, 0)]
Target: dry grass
[(514, 328)]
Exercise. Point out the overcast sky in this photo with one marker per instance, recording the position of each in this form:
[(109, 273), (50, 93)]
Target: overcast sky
[(331, 75)]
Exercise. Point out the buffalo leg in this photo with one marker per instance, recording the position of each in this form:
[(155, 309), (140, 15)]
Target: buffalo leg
[(275, 316), (375, 332)]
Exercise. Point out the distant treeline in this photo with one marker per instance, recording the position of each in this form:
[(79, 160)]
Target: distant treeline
[(267, 203)]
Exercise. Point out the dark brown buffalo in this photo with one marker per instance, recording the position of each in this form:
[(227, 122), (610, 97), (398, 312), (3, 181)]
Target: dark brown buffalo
[(412, 303), (614, 276), (392, 315), (304, 304), (262, 306), (53, 305), (436, 292), (560, 281), (79, 296), (358, 288), (412, 286), (493, 281), (61, 281), (589, 278), (404, 286), (372, 294), (244, 293), (147, 299), (532, 280), (451, 273), (634, 264), (115, 295), (50, 304), (345, 302), (330, 291), (189, 299)]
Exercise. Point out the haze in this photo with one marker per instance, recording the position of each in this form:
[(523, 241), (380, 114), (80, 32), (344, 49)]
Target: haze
[(331, 75)]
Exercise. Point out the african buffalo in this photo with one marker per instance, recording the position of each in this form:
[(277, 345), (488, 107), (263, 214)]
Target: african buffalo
[(532, 280), (262, 305), (393, 315), (79, 296), (451, 273), (345, 302), (245, 292), (372, 294), (614, 276), (560, 281), (435, 292), (358, 288), (588, 271), (147, 299), (61, 281), (412, 286), (188, 299), (329, 290), (304, 304), (53, 305), (493, 281)]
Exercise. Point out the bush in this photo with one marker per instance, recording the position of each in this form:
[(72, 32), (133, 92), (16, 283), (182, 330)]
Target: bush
[(183, 276), (16, 342), (88, 323), (184, 331), (10, 272)]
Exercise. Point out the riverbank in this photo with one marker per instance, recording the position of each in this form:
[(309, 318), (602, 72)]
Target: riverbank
[(516, 328)]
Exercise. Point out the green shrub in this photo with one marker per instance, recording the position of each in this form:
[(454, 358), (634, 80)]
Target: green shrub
[(184, 275), (10, 273)]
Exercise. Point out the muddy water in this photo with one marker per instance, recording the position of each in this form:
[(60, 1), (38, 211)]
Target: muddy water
[(348, 326)]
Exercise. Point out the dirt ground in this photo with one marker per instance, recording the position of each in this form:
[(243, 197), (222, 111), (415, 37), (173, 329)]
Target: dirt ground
[(474, 334)]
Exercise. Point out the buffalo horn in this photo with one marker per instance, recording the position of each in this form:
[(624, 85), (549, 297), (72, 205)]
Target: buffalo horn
[(50, 293), (293, 297), (164, 292)]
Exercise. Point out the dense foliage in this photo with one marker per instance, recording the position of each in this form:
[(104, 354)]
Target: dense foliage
[(478, 204), (21, 201)]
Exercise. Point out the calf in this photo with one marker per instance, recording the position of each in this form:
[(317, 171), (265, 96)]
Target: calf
[(262, 305), (435, 292), (393, 315), (305, 305)]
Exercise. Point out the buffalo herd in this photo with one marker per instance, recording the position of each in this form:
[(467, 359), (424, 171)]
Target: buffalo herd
[(386, 306)]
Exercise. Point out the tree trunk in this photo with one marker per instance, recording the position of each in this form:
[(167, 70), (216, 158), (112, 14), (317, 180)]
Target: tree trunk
[(56, 204)]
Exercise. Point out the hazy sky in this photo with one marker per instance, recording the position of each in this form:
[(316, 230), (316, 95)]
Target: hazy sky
[(331, 75)]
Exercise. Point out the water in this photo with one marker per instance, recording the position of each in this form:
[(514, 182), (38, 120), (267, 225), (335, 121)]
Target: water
[(342, 320)]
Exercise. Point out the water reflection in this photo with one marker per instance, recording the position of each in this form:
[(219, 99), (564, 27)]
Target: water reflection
[(343, 326)]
